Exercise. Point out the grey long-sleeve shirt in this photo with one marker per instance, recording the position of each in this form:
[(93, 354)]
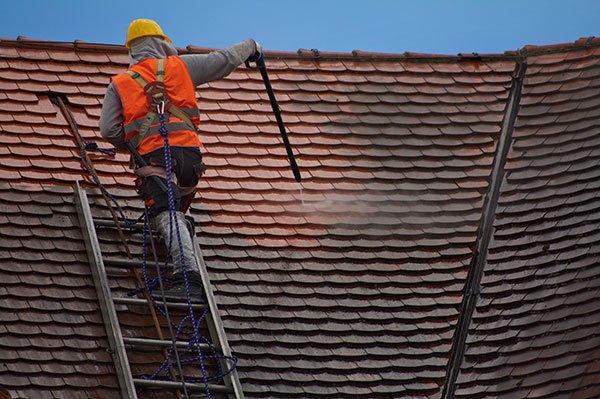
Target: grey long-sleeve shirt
[(201, 67)]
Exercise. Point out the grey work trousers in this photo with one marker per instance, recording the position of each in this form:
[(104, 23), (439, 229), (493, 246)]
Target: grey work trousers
[(170, 235), (187, 168)]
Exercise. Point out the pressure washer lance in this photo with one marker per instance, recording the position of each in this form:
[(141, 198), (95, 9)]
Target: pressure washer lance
[(260, 63)]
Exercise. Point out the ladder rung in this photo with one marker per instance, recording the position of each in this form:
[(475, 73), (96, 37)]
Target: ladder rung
[(128, 263), (161, 343), (101, 222), (178, 385), (230, 383), (144, 302), (116, 271)]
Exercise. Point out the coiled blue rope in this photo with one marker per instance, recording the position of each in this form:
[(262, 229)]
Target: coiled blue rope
[(182, 262), (151, 284), (191, 318)]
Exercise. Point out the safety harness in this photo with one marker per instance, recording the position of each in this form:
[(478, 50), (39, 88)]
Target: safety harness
[(159, 100), (160, 110)]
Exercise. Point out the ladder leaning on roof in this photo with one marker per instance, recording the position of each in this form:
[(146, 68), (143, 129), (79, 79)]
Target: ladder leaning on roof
[(232, 388)]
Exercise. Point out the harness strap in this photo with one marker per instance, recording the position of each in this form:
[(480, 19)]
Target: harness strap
[(179, 113), (160, 70), (150, 170), (137, 123), (137, 77), (147, 122), (158, 171), (144, 124), (154, 130)]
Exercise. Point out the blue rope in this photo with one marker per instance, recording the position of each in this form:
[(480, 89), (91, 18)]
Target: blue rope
[(151, 284), (191, 319), (173, 220)]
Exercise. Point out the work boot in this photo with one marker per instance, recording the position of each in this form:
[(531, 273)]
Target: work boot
[(177, 292)]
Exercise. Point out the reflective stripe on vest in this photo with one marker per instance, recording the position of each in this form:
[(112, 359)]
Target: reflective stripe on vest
[(183, 115), (136, 124)]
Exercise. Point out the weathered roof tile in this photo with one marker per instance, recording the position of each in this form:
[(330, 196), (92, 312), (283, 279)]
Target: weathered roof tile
[(351, 285), (534, 309)]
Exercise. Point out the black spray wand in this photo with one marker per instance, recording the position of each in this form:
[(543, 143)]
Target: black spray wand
[(260, 63)]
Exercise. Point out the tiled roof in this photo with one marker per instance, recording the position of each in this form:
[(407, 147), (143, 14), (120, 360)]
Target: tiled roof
[(52, 338), (352, 286), (535, 330)]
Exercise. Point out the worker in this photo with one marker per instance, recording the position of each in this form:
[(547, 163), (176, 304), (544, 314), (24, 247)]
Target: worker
[(129, 114)]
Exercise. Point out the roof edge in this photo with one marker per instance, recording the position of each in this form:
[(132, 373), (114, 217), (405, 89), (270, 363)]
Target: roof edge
[(316, 55)]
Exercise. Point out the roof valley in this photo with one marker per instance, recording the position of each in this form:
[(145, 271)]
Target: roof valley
[(484, 233)]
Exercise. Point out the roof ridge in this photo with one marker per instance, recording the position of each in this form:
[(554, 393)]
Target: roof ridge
[(315, 54)]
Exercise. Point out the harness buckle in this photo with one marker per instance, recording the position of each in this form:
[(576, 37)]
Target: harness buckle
[(156, 94)]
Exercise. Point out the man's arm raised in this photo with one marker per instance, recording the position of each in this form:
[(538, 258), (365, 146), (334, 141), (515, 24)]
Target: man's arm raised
[(220, 63)]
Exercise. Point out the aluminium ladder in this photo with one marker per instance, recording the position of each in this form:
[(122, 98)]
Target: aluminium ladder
[(119, 345)]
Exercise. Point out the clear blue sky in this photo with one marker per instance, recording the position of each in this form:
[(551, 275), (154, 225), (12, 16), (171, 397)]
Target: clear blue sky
[(435, 26)]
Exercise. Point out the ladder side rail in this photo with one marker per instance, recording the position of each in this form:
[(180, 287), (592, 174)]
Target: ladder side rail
[(178, 385), (215, 326), (107, 307)]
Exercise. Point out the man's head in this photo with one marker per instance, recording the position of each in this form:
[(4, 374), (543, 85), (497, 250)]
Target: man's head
[(143, 27)]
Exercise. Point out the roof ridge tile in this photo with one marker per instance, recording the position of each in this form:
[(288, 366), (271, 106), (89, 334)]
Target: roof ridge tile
[(584, 42)]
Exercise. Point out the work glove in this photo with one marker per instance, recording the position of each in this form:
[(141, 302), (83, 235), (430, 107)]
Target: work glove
[(258, 53)]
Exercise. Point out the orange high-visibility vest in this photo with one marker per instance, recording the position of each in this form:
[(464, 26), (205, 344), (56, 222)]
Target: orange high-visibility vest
[(140, 122)]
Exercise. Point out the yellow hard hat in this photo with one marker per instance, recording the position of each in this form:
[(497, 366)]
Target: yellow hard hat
[(144, 27)]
